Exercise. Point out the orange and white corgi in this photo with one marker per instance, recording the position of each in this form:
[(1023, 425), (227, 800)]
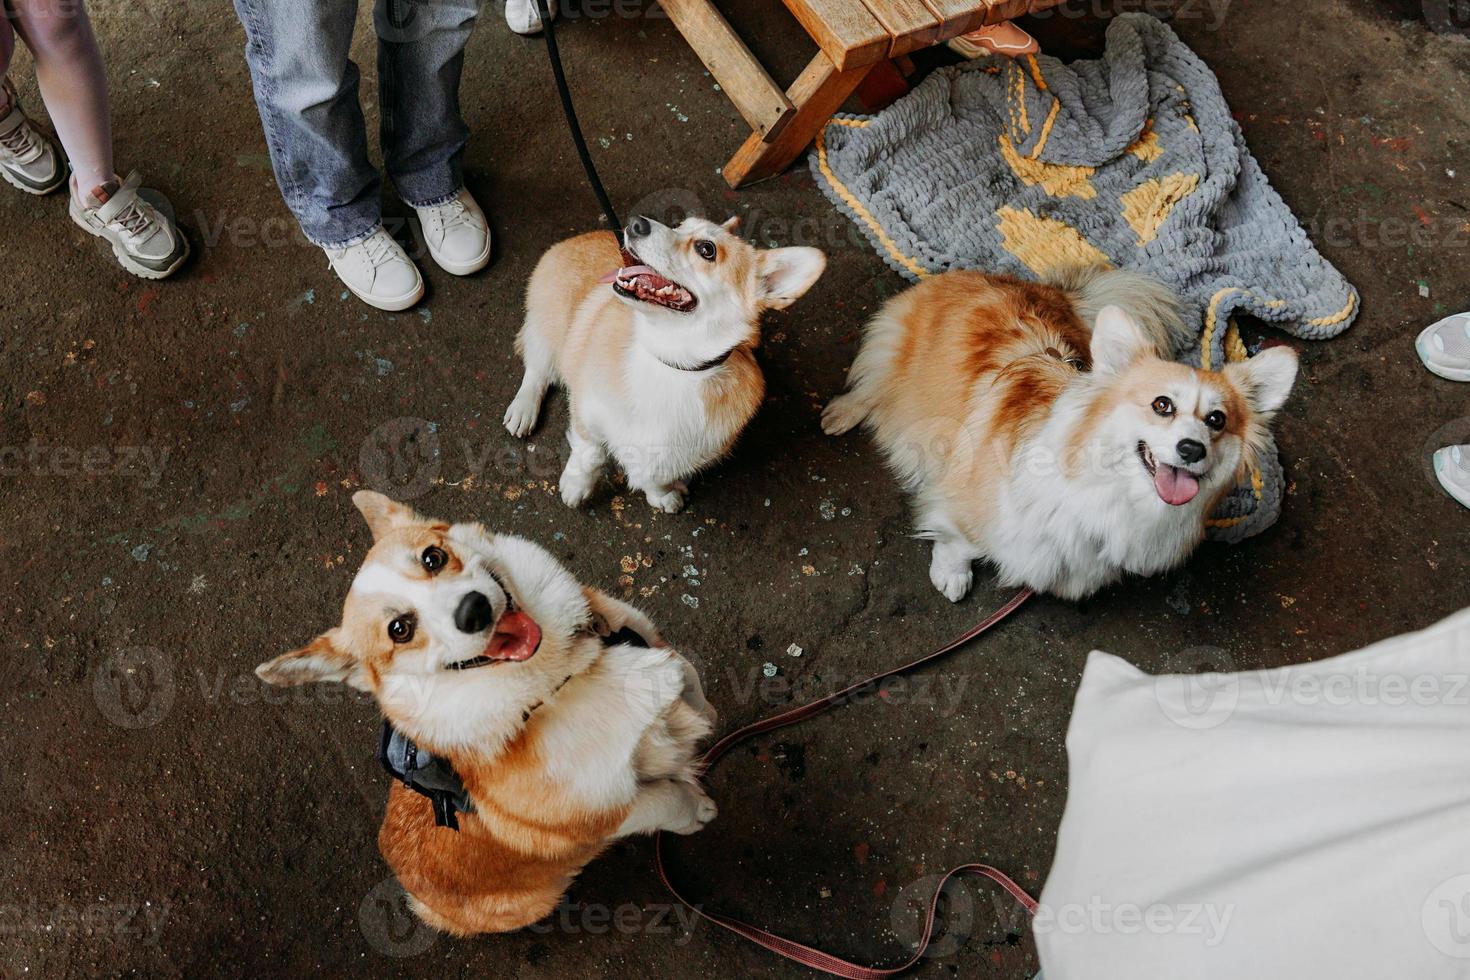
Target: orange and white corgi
[(1040, 426), (657, 357), (485, 652)]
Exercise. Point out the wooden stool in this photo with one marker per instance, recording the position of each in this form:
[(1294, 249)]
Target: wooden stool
[(853, 36)]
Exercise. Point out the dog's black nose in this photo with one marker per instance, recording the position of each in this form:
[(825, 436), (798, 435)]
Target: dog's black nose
[(1191, 450), (474, 613), (639, 227)]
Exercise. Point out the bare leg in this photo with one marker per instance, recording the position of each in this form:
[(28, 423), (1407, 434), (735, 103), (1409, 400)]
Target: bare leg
[(669, 804), (73, 84), (7, 51)]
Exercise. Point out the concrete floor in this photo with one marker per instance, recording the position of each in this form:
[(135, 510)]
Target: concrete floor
[(185, 823)]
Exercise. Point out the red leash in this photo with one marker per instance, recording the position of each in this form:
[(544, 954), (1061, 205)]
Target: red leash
[(805, 955)]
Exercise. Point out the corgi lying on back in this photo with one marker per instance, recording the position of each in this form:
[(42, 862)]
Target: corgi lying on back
[(1041, 427), (565, 720), (656, 357)]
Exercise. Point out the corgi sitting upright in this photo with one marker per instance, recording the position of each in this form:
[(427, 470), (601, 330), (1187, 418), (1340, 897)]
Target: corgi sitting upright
[(657, 357), (1042, 427), (555, 713)]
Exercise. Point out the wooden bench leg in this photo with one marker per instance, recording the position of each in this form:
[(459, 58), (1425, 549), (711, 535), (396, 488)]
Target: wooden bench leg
[(818, 92)]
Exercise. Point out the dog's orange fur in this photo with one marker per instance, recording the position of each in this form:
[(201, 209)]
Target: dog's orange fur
[(976, 366), (511, 861), (598, 329)]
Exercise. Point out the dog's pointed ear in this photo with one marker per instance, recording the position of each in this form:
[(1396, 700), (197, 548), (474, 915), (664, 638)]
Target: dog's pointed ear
[(1266, 379), (381, 513), (732, 224), (1117, 341), (787, 273), (320, 660)]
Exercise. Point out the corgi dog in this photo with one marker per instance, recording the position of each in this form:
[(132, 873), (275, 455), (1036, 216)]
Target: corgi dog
[(1042, 427), (657, 357), (488, 654)]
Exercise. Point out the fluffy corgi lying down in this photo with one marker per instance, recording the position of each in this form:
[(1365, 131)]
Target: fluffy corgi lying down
[(1042, 427), (486, 653), (656, 356)]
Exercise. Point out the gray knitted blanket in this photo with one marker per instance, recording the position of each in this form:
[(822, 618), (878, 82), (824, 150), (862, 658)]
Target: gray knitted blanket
[(1017, 166)]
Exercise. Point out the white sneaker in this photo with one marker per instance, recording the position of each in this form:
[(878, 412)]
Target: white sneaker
[(28, 160), (145, 241), (524, 17), (1452, 468), (457, 234), (378, 272), (1444, 347)]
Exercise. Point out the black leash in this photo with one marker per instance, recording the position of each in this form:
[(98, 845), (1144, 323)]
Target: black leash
[(573, 125)]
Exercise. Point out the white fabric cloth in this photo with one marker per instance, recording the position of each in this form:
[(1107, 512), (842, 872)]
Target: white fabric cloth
[(1311, 821)]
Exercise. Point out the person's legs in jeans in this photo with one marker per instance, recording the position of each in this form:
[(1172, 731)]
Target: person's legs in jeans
[(73, 83), (420, 58), (306, 88)]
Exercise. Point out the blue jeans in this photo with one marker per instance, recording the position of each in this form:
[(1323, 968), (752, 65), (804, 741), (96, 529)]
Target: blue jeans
[(306, 87)]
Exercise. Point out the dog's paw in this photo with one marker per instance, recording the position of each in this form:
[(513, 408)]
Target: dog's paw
[(576, 488), (841, 414), (705, 812), (669, 500), (955, 585), (520, 417)]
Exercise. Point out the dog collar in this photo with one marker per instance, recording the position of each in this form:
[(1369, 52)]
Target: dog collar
[(432, 776), (713, 362)]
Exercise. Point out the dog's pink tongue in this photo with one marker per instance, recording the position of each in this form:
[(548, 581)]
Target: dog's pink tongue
[(626, 272), (516, 638), (1175, 486)]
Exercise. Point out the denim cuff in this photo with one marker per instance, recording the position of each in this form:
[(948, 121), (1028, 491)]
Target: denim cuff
[(435, 202), (347, 242)]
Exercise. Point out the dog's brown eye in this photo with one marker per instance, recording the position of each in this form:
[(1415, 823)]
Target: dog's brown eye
[(1215, 420), (706, 249), (433, 559), (400, 630), (1164, 407)]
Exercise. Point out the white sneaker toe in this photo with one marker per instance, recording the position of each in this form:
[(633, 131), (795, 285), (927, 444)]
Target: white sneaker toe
[(457, 234), (145, 241), (378, 272), (28, 160), (1444, 347), (1452, 469)]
